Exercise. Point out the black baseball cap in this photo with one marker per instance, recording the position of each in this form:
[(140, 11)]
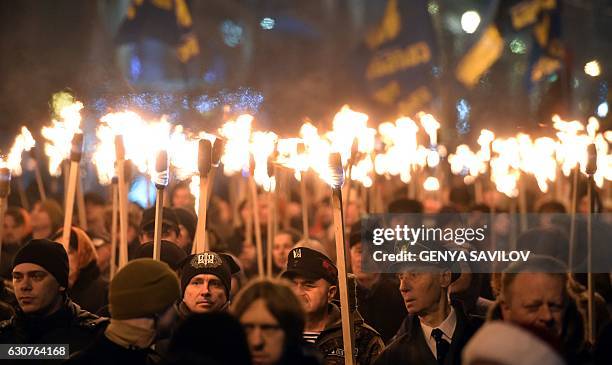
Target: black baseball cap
[(311, 264)]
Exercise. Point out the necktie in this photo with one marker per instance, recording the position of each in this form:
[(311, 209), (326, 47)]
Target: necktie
[(442, 345)]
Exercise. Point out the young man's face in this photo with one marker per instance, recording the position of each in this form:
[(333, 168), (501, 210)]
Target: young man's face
[(314, 294), (36, 290), (13, 233), (422, 290), (536, 299), (265, 337), (280, 250), (205, 293)]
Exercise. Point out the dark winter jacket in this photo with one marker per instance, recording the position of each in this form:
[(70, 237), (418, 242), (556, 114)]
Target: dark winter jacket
[(69, 325), (103, 351), (381, 306), (368, 343), (410, 347), (90, 291)]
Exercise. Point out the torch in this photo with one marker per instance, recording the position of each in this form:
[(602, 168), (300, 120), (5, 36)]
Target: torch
[(301, 149), (204, 165), (217, 151), (271, 215), (255, 217), (81, 203), (38, 176), (5, 189), (351, 161), (75, 157), (337, 180), (591, 168), (115, 208), (123, 200), (161, 181)]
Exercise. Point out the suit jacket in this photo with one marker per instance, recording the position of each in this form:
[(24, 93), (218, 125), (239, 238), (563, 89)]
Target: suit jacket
[(411, 347)]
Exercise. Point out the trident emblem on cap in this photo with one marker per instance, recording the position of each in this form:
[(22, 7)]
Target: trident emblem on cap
[(208, 260)]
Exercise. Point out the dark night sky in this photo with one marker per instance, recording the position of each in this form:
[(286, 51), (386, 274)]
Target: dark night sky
[(45, 47)]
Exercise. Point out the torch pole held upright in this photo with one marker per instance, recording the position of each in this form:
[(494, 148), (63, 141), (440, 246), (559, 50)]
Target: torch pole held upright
[(204, 165), (573, 208), (123, 201), (255, 216), (161, 181), (270, 227), (5, 189), (591, 168), (301, 149), (304, 205), (38, 177), (80, 200), (348, 334), (115, 199), (75, 157), (217, 151)]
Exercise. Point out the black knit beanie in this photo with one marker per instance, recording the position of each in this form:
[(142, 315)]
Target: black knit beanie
[(221, 265), (47, 254)]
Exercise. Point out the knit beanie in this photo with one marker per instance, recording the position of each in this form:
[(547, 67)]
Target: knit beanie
[(49, 255), (221, 265), (142, 288)]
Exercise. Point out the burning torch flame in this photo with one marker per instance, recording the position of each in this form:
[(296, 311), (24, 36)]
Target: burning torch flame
[(60, 135), (23, 142)]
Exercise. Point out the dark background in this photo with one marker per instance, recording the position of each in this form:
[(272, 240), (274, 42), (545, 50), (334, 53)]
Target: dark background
[(304, 67)]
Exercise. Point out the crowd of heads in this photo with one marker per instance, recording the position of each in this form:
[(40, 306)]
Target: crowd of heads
[(213, 307)]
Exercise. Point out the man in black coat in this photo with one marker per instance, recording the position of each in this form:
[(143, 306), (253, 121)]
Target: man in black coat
[(45, 314), (435, 331)]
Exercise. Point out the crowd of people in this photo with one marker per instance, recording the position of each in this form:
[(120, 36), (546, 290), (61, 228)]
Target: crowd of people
[(213, 308)]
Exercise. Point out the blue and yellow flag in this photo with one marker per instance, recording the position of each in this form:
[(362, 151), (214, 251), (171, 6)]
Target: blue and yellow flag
[(543, 17), (400, 58), (485, 49), (168, 21)]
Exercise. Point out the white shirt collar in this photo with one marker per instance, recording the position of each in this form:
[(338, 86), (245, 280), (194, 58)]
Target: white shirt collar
[(447, 326)]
